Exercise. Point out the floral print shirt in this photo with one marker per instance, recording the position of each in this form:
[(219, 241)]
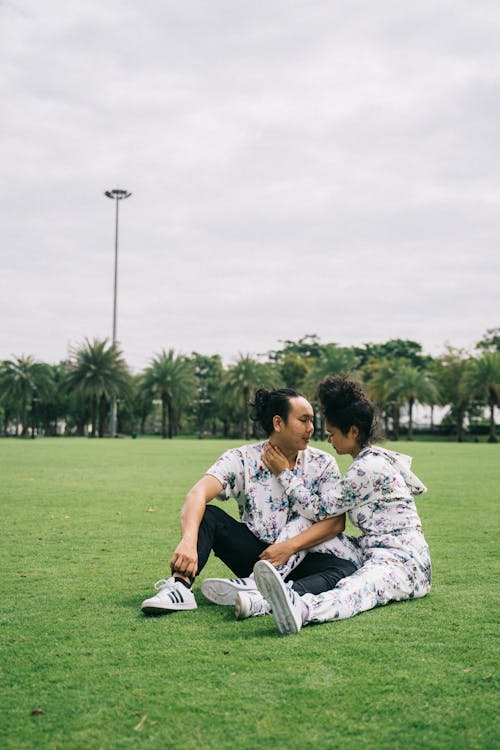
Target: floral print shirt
[(263, 504), (376, 492)]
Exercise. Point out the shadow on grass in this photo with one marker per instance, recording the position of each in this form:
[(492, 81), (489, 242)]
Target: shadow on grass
[(134, 603), (221, 615)]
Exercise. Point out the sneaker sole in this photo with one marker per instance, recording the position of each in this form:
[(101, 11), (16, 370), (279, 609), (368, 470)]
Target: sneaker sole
[(159, 609), (272, 588), (241, 611), (221, 591)]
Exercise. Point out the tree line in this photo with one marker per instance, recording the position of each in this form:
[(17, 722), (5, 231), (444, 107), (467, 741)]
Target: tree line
[(198, 394)]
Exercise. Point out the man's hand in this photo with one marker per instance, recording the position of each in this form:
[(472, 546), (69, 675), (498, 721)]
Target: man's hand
[(274, 459), (185, 559), (278, 554)]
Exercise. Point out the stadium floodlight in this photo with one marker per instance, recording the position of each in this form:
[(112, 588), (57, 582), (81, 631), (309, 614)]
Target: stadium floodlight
[(117, 195)]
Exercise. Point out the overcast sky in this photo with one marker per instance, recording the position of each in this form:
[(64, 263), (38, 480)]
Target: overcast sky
[(327, 167)]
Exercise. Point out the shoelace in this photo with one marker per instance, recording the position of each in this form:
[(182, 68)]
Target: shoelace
[(162, 583), (291, 592), (258, 605)]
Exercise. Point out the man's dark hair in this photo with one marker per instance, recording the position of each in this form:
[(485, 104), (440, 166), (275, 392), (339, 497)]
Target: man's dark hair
[(269, 403)]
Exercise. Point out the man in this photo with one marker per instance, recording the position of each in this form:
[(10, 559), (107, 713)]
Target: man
[(270, 528)]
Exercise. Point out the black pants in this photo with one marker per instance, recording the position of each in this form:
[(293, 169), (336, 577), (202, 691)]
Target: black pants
[(239, 549)]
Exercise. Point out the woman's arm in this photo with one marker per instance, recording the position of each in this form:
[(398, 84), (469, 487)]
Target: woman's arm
[(274, 459), (278, 554), (315, 506)]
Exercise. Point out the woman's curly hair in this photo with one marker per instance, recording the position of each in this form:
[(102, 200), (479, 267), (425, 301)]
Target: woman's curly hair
[(345, 405)]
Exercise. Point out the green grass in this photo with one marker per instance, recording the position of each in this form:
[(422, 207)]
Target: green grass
[(87, 527)]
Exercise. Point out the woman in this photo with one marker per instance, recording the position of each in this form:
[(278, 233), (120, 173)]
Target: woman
[(377, 493)]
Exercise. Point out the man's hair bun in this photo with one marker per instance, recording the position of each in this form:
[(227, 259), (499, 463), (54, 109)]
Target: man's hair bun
[(270, 403)]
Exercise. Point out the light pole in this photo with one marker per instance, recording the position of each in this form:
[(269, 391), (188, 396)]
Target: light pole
[(117, 195)]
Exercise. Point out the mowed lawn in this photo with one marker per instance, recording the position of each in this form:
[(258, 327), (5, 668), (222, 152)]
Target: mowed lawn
[(87, 526)]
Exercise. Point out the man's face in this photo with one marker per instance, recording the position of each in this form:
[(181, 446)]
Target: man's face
[(295, 434)]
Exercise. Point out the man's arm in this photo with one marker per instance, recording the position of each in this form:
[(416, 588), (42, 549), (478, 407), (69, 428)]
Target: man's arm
[(278, 554), (185, 558)]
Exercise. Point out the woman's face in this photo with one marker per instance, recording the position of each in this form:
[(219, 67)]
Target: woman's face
[(343, 444)]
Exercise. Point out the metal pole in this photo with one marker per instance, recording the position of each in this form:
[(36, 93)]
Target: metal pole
[(114, 405), (117, 195), (115, 289)]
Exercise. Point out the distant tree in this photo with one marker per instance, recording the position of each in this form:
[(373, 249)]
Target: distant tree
[(414, 386), (293, 370), (380, 377), (490, 341), (209, 375), (230, 409), (78, 414), (295, 361), (394, 349), (135, 408), (241, 380), (170, 379), (53, 404), (96, 373), (450, 373), (7, 409), (308, 347), (330, 360), (483, 379), (22, 380)]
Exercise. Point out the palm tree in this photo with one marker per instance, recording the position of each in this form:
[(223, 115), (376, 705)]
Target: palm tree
[(96, 373), (490, 341), (293, 370), (44, 395), (78, 412), (136, 407), (450, 372), (484, 381), (209, 373), (242, 378), (6, 413), (414, 386), (380, 377), (330, 359), (22, 379), (170, 378)]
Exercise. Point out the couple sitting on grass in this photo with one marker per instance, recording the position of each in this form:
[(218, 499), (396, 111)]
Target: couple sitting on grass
[(289, 549)]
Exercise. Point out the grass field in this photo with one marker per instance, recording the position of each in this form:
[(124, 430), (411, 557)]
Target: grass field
[(88, 526)]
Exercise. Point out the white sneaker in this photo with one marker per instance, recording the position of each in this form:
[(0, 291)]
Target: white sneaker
[(172, 596), (285, 603), (225, 590), (250, 604)]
